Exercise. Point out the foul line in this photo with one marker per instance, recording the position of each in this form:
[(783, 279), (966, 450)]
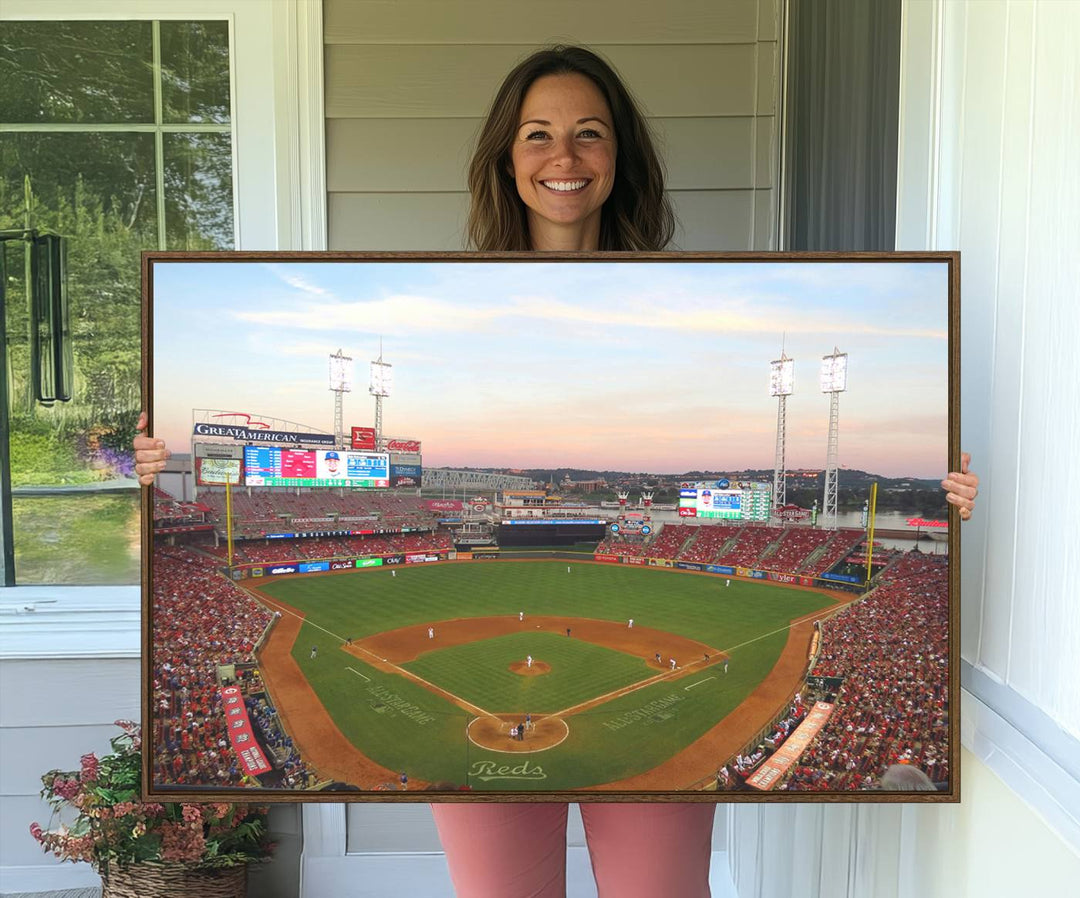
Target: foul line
[(358, 673), (794, 623), (667, 675), (409, 675), (698, 683), (285, 609)]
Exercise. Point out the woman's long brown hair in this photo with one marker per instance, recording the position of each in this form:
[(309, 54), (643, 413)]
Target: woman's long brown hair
[(637, 214)]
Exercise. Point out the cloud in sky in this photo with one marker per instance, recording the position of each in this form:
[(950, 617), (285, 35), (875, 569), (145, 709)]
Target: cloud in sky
[(700, 314), (661, 364)]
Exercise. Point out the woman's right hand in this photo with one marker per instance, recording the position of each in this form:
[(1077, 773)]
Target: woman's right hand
[(150, 454), (961, 487)]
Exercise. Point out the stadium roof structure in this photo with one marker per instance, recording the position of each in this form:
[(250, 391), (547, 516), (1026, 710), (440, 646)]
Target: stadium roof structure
[(249, 421)]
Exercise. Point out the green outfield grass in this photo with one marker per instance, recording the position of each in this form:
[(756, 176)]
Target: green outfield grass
[(404, 726)]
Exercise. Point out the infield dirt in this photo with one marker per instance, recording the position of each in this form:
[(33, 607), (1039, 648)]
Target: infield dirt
[(325, 747)]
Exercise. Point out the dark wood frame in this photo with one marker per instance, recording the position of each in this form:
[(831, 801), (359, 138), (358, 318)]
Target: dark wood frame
[(952, 259)]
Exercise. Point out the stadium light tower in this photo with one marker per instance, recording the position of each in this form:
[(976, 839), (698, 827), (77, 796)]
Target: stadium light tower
[(381, 385), (781, 385), (340, 383), (833, 382)]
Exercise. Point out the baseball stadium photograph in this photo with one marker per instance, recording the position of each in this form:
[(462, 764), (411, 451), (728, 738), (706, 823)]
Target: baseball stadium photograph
[(449, 527)]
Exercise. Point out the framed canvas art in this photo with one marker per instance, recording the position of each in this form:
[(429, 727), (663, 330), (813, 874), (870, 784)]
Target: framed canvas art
[(475, 527)]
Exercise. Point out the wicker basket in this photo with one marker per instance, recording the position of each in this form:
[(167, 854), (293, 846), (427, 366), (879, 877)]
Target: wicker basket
[(174, 881)]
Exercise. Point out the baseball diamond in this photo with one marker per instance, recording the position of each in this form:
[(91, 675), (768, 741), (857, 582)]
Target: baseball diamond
[(603, 713)]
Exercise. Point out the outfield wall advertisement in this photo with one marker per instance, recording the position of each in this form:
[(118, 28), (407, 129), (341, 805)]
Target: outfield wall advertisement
[(842, 578), (749, 573), (314, 567), (421, 558)]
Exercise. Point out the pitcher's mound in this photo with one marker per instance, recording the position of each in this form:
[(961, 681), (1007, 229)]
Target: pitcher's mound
[(538, 667)]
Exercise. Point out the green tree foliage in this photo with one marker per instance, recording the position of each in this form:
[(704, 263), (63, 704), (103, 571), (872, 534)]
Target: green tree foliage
[(99, 190)]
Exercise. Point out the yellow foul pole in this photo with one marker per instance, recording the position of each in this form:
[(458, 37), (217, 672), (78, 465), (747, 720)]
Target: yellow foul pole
[(228, 517), (870, 531)]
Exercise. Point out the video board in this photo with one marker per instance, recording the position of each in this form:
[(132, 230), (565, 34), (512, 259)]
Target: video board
[(726, 500), (272, 466), (405, 475)]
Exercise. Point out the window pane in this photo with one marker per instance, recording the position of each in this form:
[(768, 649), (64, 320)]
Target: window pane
[(81, 181), (76, 72), (98, 191), (75, 497), (195, 72), (78, 539), (198, 191)]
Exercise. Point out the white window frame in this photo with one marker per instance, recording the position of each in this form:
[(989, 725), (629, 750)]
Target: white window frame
[(279, 203)]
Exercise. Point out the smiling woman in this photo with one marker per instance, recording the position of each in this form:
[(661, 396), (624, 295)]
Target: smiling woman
[(561, 117), (563, 160)]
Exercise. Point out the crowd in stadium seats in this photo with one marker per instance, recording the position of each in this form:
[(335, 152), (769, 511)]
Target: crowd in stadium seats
[(281, 550), (668, 543), (708, 542), (274, 510), (705, 544), (633, 546), (201, 621), (796, 546), (842, 543), (423, 542), (891, 648), (318, 548), (671, 538), (171, 512), (751, 543)]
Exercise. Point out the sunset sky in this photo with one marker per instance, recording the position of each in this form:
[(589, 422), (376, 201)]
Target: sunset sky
[(653, 367)]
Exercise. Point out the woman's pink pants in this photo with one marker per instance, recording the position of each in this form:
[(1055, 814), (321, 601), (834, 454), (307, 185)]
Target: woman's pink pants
[(519, 850)]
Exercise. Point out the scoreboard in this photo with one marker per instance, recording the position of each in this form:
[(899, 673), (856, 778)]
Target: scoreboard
[(272, 466), (726, 500)]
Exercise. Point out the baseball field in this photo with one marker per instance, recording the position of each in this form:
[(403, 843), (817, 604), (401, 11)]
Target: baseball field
[(424, 669)]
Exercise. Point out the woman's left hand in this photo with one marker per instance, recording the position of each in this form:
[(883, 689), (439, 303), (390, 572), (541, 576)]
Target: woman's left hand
[(962, 487)]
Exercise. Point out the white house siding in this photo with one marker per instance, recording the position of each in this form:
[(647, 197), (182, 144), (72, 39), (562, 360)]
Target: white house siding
[(989, 142), (408, 83), (52, 712)]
